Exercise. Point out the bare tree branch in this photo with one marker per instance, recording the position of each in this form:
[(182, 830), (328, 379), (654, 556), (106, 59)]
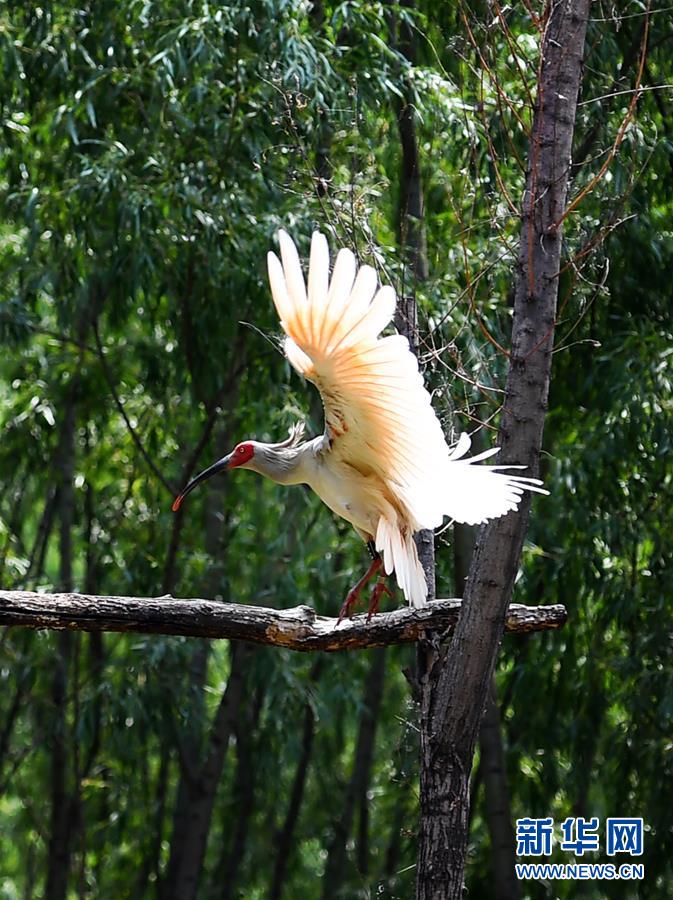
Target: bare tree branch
[(299, 628)]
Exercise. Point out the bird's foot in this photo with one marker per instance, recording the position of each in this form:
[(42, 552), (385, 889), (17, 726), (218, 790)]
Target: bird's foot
[(352, 598), (354, 594), (380, 588)]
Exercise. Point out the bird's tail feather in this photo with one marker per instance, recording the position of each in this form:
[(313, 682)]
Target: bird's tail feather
[(477, 494), (399, 555), (474, 494)]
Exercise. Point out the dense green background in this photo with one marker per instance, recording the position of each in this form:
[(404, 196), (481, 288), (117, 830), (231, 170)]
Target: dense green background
[(149, 153)]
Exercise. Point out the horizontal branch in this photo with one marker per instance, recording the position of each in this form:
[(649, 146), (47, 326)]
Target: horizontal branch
[(299, 628)]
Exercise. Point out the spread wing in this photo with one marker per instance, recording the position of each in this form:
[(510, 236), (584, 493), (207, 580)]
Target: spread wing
[(378, 414)]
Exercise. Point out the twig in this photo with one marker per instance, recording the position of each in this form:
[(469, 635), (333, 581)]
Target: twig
[(120, 406), (626, 121)]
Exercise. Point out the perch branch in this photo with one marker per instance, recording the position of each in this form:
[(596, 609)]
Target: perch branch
[(299, 628)]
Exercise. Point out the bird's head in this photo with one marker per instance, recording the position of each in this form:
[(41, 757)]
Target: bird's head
[(240, 457), (271, 460)]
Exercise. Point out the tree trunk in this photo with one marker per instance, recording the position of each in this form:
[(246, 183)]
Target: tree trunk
[(284, 840), (190, 746), (411, 223), (492, 754), (231, 862), (38, 553), (149, 868), (413, 243), (187, 853), (506, 886), (335, 869), (60, 830), (189, 794), (15, 706), (455, 690)]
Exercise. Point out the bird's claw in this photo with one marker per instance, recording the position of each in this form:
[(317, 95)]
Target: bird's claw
[(354, 594), (380, 588), (351, 599)]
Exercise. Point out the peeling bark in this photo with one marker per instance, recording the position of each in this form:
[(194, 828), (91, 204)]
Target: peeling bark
[(492, 767), (299, 628)]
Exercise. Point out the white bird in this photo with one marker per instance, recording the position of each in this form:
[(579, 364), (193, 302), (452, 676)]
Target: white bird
[(383, 463)]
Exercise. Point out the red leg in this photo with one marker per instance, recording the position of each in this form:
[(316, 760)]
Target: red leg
[(354, 594), (380, 588)]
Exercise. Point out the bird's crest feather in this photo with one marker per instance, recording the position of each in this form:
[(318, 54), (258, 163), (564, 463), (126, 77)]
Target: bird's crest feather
[(295, 437)]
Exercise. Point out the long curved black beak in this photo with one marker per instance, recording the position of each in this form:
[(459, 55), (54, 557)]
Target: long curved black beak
[(220, 466)]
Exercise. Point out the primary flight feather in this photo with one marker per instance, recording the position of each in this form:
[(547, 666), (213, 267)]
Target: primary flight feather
[(383, 463)]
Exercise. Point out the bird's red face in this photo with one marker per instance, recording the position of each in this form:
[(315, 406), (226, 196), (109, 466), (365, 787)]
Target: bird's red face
[(239, 456)]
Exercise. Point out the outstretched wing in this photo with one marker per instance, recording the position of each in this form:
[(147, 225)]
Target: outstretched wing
[(378, 414)]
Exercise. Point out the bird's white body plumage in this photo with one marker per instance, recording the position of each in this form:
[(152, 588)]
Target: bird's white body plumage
[(383, 463)]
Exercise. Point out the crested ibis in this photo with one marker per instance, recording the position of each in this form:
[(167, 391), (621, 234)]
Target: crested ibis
[(383, 463)]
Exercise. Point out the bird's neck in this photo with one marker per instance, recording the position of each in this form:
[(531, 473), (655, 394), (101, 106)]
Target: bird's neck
[(287, 466)]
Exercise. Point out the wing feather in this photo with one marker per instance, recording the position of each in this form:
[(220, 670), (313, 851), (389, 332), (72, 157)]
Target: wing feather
[(318, 282), (340, 288), (281, 298), (379, 416)]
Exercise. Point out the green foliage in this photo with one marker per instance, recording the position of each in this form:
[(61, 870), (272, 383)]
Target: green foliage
[(150, 151)]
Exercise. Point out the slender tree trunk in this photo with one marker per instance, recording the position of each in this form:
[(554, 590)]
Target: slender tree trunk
[(412, 206), (60, 833), (400, 818), (362, 842), (231, 862), (94, 661), (66, 799), (36, 564), (455, 690), (411, 223), (412, 240), (17, 493), (188, 852), (284, 840), (335, 869), (506, 886), (10, 719), (191, 770), (190, 749), (150, 863)]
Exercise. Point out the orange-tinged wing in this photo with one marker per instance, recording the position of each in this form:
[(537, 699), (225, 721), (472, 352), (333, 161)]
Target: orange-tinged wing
[(378, 413)]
